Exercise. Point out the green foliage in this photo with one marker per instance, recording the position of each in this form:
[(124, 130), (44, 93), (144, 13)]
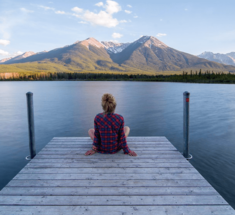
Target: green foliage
[(206, 77)]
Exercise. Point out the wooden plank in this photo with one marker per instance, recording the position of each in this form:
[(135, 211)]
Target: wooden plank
[(106, 191), (118, 210), (106, 165), (178, 170), (132, 138), (122, 176), (112, 200), (90, 160), (87, 147), (83, 151), (108, 183), (87, 142), (110, 156)]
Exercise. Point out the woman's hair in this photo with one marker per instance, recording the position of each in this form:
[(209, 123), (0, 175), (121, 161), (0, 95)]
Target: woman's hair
[(108, 103)]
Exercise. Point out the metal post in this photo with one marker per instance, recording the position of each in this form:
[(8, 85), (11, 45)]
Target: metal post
[(186, 125), (32, 149)]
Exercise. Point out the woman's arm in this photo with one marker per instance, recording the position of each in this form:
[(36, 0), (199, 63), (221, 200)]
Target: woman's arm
[(96, 140), (122, 139)]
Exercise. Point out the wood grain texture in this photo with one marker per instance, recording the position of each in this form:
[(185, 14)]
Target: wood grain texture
[(179, 170), (62, 180), (107, 191), (109, 183), (118, 210), (105, 165), (112, 200), (122, 176)]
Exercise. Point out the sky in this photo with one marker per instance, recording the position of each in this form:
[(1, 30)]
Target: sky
[(191, 26)]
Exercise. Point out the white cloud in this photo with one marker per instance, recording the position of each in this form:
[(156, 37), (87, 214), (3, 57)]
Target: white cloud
[(46, 8), (116, 35), (59, 12), (102, 18), (99, 4), (26, 10), (135, 17), (123, 21), (77, 10), (4, 53), (112, 7), (4, 42), (161, 35), (129, 6), (128, 11), (82, 22)]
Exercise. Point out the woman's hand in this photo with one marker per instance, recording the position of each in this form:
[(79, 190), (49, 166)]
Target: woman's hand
[(90, 152), (132, 153)]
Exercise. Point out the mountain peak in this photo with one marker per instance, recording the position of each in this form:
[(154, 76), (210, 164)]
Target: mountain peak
[(150, 41), (91, 41)]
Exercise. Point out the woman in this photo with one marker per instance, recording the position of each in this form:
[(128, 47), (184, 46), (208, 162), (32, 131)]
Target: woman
[(109, 135)]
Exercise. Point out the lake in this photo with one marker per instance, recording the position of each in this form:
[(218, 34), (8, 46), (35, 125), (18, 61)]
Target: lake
[(68, 108)]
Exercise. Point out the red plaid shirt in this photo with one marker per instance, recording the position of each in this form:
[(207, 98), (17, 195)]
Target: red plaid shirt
[(109, 135)]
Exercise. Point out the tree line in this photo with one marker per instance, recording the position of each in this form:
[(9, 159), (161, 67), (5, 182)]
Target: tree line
[(191, 77)]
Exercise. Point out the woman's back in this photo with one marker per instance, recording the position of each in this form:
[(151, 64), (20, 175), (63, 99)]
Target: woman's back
[(109, 136)]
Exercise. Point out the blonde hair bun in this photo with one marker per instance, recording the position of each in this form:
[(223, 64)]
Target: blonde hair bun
[(108, 103)]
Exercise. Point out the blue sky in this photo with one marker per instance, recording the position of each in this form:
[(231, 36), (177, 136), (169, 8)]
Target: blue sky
[(188, 26)]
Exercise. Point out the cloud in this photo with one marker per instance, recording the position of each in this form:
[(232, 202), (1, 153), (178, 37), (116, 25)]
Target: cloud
[(128, 11), (103, 18), (4, 53), (161, 20), (46, 8), (161, 35), (135, 17), (77, 10), (26, 10), (116, 35), (112, 7), (4, 42), (82, 22), (123, 21), (129, 6), (99, 4), (59, 12), (186, 9)]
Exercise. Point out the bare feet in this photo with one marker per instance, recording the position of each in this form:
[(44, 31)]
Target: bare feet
[(90, 152), (132, 153)]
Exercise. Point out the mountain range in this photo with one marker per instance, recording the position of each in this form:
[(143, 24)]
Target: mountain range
[(145, 54), (228, 59)]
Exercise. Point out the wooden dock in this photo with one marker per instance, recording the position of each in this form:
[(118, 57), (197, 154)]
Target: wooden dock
[(61, 180)]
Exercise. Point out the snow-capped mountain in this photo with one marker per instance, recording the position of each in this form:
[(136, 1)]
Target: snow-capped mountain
[(113, 47), (145, 54), (228, 59)]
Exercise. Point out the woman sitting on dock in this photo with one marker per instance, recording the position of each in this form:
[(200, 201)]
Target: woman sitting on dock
[(109, 135)]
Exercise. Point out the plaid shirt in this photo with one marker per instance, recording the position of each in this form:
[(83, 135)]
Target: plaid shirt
[(109, 135)]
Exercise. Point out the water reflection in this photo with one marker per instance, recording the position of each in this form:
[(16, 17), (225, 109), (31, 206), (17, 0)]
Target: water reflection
[(150, 109)]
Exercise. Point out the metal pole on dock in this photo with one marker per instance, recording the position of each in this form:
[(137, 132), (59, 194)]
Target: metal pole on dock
[(32, 149), (186, 125)]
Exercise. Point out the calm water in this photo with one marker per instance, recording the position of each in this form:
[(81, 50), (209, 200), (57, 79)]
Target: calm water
[(67, 109)]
